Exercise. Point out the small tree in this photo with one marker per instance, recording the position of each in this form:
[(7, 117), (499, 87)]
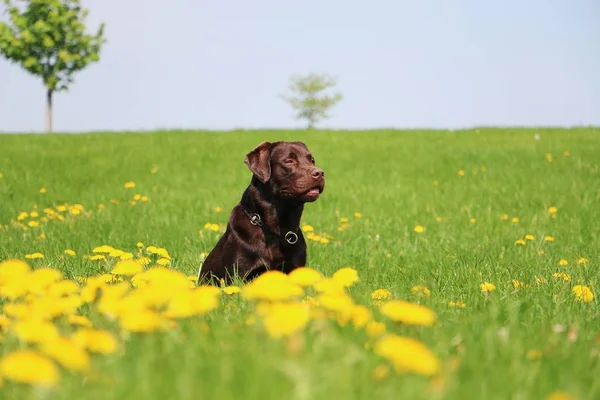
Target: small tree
[(307, 99), (47, 38)]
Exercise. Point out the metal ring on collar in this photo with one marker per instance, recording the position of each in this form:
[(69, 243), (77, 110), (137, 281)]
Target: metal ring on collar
[(291, 237), (255, 219)]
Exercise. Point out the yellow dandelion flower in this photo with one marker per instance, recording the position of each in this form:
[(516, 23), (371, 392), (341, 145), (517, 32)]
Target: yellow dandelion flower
[(231, 289), (66, 353), (307, 228), (408, 313), (549, 157), (487, 287), (504, 217), (552, 210), (375, 328), (35, 331), (346, 276), (548, 238), (540, 280), (514, 220), (98, 257), (357, 215), (43, 190), (438, 219), (30, 367), (457, 304), (561, 275), (583, 293), (116, 253), (285, 319), (360, 315), (79, 320), (520, 242), (461, 172), (218, 209), (103, 249), (69, 252), (563, 262), (517, 284), (144, 198), (141, 321), (419, 229), (343, 219), (34, 256), (129, 185), (126, 256), (529, 236), (408, 354), (582, 260), (473, 220), (163, 261), (420, 290), (305, 276), (272, 285), (95, 340), (127, 268), (380, 294)]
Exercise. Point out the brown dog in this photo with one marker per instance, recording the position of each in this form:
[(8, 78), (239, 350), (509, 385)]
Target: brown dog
[(263, 231)]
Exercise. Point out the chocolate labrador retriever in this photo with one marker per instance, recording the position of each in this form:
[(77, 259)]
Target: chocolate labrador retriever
[(263, 231)]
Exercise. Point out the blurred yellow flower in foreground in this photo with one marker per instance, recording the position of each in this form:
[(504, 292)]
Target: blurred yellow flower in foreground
[(305, 276), (95, 340), (346, 276), (419, 229), (560, 395), (67, 353), (127, 268), (129, 185), (285, 319), (272, 285), (408, 313), (408, 354), (30, 367)]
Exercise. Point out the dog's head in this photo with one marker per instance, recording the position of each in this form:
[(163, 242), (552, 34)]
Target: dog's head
[(287, 169)]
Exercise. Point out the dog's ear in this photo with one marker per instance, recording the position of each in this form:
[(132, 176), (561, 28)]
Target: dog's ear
[(259, 161)]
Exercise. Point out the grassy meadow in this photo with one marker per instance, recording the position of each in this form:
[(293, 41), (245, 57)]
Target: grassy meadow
[(493, 233)]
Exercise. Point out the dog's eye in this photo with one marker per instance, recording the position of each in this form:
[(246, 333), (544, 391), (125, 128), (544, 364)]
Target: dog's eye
[(289, 161)]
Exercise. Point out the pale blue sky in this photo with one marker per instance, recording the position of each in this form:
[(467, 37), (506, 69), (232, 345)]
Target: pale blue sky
[(405, 64)]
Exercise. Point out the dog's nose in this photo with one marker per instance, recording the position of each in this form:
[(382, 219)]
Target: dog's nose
[(318, 173)]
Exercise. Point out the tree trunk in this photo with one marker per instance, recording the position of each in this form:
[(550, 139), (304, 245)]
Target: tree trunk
[(49, 121)]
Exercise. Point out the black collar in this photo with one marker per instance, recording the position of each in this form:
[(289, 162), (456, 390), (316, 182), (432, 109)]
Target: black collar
[(290, 237)]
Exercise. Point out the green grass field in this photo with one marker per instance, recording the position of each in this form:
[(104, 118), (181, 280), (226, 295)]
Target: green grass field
[(475, 193)]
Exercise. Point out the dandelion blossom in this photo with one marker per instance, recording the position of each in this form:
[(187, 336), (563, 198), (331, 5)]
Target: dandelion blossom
[(408, 354), (30, 367), (487, 287), (583, 293), (408, 313)]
